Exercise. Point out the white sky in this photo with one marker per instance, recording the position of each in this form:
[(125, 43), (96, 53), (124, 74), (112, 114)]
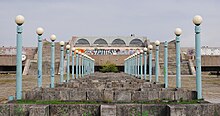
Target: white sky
[(156, 19)]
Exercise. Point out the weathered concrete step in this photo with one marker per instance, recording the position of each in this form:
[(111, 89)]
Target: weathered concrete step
[(39, 110), (204, 109), (176, 110), (108, 110), (109, 95)]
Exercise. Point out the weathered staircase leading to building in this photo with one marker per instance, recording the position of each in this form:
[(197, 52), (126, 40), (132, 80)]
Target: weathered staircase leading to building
[(46, 51)]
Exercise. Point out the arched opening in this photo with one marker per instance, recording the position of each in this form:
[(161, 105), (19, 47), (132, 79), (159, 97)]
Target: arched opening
[(100, 42), (82, 42), (136, 42), (118, 42)]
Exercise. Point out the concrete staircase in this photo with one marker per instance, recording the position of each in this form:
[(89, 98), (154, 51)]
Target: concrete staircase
[(186, 68), (46, 60)]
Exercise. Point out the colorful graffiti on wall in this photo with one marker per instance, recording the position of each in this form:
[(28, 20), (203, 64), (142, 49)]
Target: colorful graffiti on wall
[(108, 51)]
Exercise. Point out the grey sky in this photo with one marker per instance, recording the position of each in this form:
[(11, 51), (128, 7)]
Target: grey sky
[(156, 19)]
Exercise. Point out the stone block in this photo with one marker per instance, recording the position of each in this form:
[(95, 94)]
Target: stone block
[(51, 94), (128, 110), (146, 85), (85, 85), (157, 85), (108, 95), (4, 110), (100, 86), (153, 95), (94, 95), (176, 110), (89, 110), (72, 84), (122, 96), (139, 96), (35, 94), (217, 109), (153, 110), (169, 95), (78, 94), (65, 94), (109, 85), (19, 109), (39, 110), (185, 95), (59, 110), (108, 110), (200, 109)]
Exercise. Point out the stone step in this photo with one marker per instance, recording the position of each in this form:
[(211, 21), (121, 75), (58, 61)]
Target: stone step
[(176, 110), (108, 110), (39, 110)]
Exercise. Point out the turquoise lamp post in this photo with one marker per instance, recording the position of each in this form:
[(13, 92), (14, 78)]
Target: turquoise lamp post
[(157, 43), (197, 20), (19, 21), (68, 62), (166, 64), (124, 65), (39, 31), (134, 64), (82, 66), (52, 67), (141, 63), (150, 47), (138, 64), (73, 63), (178, 32), (145, 63), (61, 60), (80, 59), (77, 64)]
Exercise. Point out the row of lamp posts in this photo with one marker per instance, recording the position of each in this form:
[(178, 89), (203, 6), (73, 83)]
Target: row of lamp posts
[(84, 63), (132, 64)]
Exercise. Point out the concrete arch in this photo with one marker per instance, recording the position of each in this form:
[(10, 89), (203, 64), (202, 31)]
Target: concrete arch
[(118, 42), (82, 42), (136, 42), (100, 42)]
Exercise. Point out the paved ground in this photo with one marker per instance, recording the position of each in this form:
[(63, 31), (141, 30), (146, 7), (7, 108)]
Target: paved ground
[(211, 85)]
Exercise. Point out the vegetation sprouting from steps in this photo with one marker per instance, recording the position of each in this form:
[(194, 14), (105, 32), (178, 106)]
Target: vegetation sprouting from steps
[(109, 67)]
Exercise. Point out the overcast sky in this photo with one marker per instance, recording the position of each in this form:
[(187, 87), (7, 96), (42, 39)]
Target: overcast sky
[(156, 19)]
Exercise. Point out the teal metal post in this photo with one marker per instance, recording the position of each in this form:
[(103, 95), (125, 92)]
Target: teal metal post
[(39, 72), (157, 64), (19, 63), (134, 65), (178, 73), (86, 65), (73, 65), (138, 65), (145, 64), (198, 62), (82, 65), (141, 65), (61, 63), (150, 65), (166, 64), (77, 65), (80, 57), (68, 64), (52, 64)]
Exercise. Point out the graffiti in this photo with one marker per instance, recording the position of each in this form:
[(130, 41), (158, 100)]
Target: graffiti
[(110, 51)]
